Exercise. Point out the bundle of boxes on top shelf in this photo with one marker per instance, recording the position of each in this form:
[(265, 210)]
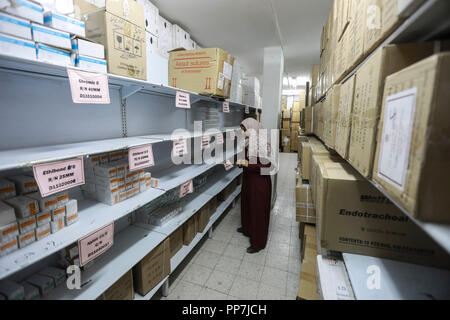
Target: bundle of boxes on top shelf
[(291, 123), (26, 217)]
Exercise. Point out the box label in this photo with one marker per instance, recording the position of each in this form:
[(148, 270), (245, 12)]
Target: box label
[(59, 176), (179, 147), (220, 81), (396, 137), (141, 157), (226, 107), (186, 188), (96, 243), (227, 70), (87, 87), (205, 142), (247, 109), (228, 165), (219, 138), (183, 100)]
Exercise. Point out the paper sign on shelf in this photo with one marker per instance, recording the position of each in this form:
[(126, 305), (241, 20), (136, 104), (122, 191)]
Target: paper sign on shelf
[(219, 138), (228, 165), (59, 176), (183, 100), (186, 188), (232, 135), (179, 147), (88, 87), (96, 243), (226, 107), (141, 157), (247, 109), (205, 142)]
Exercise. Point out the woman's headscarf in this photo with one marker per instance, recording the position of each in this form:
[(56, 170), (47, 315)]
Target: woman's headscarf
[(260, 147)]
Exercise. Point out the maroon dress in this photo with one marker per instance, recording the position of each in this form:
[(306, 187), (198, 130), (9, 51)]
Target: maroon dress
[(256, 197)]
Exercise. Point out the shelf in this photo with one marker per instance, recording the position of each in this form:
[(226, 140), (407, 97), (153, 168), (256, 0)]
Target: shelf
[(398, 280), (152, 292), (130, 246), (92, 216), (332, 279), (187, 135), (224, 179), (55, 72)]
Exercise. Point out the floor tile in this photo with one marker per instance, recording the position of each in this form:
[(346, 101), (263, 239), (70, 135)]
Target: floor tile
[(277, 261), (266, 292), (228, 264), (197, 274), (235, 252), (244, 288), (250, 271), (185, 291), (209, 294), (220, 281), (274, 277)]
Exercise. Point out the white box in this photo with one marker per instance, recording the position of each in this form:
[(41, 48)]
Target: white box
[(88, 48), (89, 63), (12, 290), (24, 184), (52, 37), (42, 231), (53, 55), (106, 170), (165, 37), (71, 207), (31, 292), (121, 168), (45, 204), (7, 189), (70, 219), (333, 280), (151, 14), (89, 190), (43, 283), (7, 214), (251, 84), (123, 195), (157, 69), (23, 206), (133, 191), (116, 156), (9, 231), (63, 198), (180, 38), (4, 4), (27, 10), (15, 26), (107, 196), (151, 43), (58, 275), (26, 224), (27, 238), (104, 158), (58, 213), (16, 47), (106, 182), (43, 218), (8, 246), (61, 22), (57, 225)]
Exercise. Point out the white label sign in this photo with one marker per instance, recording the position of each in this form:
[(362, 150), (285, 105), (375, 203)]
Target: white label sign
[(87, 87), (205, 142), (186, 188), (228, 165), (396, 137), (226, 107), (96, 243), (227, 70), (220, 81), (179, 147), (141, 157), (219, 138), (247, 109), (232, 135), (59, 176), (183, 100)]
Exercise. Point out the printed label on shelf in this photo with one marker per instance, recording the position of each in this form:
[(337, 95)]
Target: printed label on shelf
[(219, 138), (205, 142), (226, 107), (88, 87), (58, 176), (247, 109), (183, 100), (179, 147), (141, 157), (396, 137), (95, 243), (228, 165), (232, 135), (186, 188)]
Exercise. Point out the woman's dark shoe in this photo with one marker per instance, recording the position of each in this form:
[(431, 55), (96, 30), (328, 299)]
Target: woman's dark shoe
[(251, 250), (240, 230)]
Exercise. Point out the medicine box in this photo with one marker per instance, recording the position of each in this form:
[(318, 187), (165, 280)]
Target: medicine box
[(63, 198), (31, 292), (58, 275), (23, 206), (16, 47), (45, 204), (42, 231), (88, 48), (27, 224), (15, 26), (27, 238), (9, 231), (71, 207), (57, 225), (12, 290), (7, 215), (53, 55), (64, 23), (27, 10), (70, 219), (8, 246), (89, 63), (58, 213), (43, 218), (105, 170), (43, 283), (7, 189), (52, 37), (24, 184)]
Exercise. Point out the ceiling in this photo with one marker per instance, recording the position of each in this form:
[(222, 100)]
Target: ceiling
[(245, 27)]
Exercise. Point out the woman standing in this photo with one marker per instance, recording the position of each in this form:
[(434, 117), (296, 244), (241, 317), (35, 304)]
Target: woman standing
[(256, 188)]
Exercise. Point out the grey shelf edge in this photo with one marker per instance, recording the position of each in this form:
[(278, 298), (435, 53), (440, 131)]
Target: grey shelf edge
[(45, 70)]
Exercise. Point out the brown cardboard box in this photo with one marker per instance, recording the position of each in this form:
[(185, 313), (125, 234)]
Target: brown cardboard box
[(296, 107), (306, 151), (315, 75), (283, 104), (368, 95), (286, 124), (355, 217), (294, 128), (287, 114), (205, 71), (413, 164), (152, 269), (176, 241), (286, 149), (356, 28), (373, 27), (317, 160), (390, 18), (285, 133), (343, 123), (213, 202), (294, 141), (304, 204), (122, 32), (330, 116), (308, 120), (296, 116), (301, 139), (189, 231), (122, 289), (202, 218), (307, 289)]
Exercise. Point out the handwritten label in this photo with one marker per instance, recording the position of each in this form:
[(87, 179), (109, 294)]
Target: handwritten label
[(186, 188), (58, 176), (95, 243), (247, 109), (140, 157), (228, 165), (205, 142), (226, 107), (89, 88), (183, 100), (179, 147), (219, 138)]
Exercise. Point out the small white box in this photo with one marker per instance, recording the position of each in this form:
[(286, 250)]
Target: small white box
[(31, 292), (157, 67), (63, 198), (4, 4), (106, 182), (52, 37), (107, 196), (7, 214), (7, 190), (42, 231), (89, 164), (151, 43), (53, 55), (133, 191), (27, 10), (89, 63), (70, 219), (27, 238), (165, 37), (43, 218), (151, 14), (15, 26), (45, 204), (58, 275), (88, 48), (24, 184), (180, 38), (58, 213), (8, 246), (121, 168), (104, 158), (64, 23), (116, 156), (106, 170), (16, 47), (23, 206), (154, 182), (9, 231), (27, 224), (123, 195), (57, 225), (71, 207), (12, 290), (43, 283)]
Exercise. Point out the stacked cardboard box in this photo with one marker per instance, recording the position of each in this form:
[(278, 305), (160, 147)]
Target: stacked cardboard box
[(304, 204), (307, 289), (330, 112)]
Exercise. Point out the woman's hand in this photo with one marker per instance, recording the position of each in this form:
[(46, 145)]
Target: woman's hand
[(242, 163)]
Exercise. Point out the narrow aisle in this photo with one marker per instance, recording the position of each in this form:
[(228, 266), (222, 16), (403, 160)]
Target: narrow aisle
[(220, 268)]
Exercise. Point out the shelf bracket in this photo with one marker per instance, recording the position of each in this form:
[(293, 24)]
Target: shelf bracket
[(127, 91), (195, 99)]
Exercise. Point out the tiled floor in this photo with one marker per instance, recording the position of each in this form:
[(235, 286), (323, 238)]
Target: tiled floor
[(220, 268)]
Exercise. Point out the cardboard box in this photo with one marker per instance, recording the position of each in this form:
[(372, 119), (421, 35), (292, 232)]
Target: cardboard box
[(15, 26), (43, 218), (9, 231), (7, 214), (122, 289), (165, 37), (43, 283), (286, 114), (28, 10), (26, 238), (308, 277), (180, 38), (411, 160), (330, 116), (151, 15), (294, 141), (306, 150), (343, 122), (12, 290), (308, 120), (8, 246), (45, 204), (27, 224), (286, 124), (84, 47), (296, 116), (152, 269), (205, 71), (64, 23), (58, 275), (122, 32), (304, 204), (152, 45), (189, 231), (202, 218), (355, 217), (23, 206), (176, 241), (42, 231), (368, 96), (157, 67)]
